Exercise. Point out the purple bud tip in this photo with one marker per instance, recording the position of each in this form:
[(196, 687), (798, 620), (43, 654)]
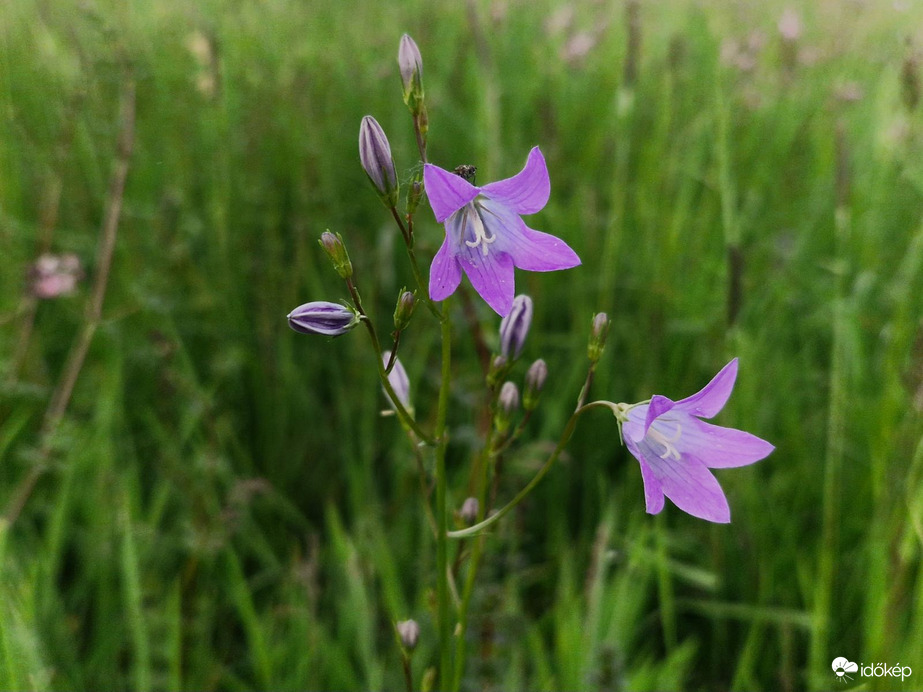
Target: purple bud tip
[(509, 397), (600, 324), (469, 510), (535, 377), (375, 156), (409, 632), (410, 62), (321, 317), (514, 328)]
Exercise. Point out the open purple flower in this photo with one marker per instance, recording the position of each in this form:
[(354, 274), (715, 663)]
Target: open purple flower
[(676, 449), (485, 236)]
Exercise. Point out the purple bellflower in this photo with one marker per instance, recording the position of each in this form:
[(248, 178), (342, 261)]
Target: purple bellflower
[(485, 236), (676, 448)]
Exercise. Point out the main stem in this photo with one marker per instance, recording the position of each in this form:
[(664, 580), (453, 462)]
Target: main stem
[(442, 561)]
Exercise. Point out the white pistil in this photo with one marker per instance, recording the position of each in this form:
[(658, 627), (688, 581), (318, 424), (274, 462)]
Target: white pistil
[(669, 449), (481, 235)]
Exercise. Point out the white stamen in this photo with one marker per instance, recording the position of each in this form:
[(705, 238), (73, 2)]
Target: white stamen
[(669, 449), (481, 235)]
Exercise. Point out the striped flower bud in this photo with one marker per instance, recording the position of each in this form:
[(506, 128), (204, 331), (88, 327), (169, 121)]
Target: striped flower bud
[(514, 328), (321, 317), (375, 156), (411, 65)]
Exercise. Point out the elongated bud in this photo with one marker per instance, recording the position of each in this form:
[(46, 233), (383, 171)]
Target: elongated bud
[(535, 382), (469, 510), (336, 250), (598, 337), (409, 632), (514, 328), (507, 404), (398, 380), (375, 156), (411, 65), (403, 310), (321, 317)]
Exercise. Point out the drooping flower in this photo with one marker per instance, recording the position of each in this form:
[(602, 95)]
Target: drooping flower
[(398, 380), (676, 448), (485, 236), (322, 317)]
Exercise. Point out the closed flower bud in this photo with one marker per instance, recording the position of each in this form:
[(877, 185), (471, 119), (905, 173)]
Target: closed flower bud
[(414, 195), (403, 310), (535, 382), (321, 317), (375, 156), (411, 65), (336, 250), (398, 380), (507, 404), (498, 368), (598, 337), (409, 632), (469, 510), (514, 328)]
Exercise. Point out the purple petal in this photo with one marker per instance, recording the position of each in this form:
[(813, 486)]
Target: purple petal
[(531, 250), (707, 402), (653, 492), (689, 485), (721, 448), (444, 274), (658, 406), (526, 192), (633, 429), (491, 275), (446, 191)]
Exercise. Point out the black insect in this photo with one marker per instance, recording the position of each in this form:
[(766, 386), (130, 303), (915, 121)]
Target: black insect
[(467, 172)]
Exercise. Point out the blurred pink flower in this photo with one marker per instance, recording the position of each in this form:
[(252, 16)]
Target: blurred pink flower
[(55, 275)]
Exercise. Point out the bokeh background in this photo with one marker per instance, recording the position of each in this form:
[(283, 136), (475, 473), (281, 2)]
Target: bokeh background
[(195, 497)]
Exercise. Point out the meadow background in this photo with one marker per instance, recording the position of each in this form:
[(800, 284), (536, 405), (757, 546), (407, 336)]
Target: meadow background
[(195, 497)]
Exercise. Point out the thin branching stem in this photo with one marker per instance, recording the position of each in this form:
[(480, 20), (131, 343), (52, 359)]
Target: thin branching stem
[(399, 407)]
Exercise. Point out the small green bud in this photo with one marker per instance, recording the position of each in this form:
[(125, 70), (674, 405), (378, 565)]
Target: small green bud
[(498, 367), (403, 310), (336, 250), (414, 194), (535, 382), (598, 337)]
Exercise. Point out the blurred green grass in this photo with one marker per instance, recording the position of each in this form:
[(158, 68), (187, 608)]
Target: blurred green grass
[(223, 507)]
